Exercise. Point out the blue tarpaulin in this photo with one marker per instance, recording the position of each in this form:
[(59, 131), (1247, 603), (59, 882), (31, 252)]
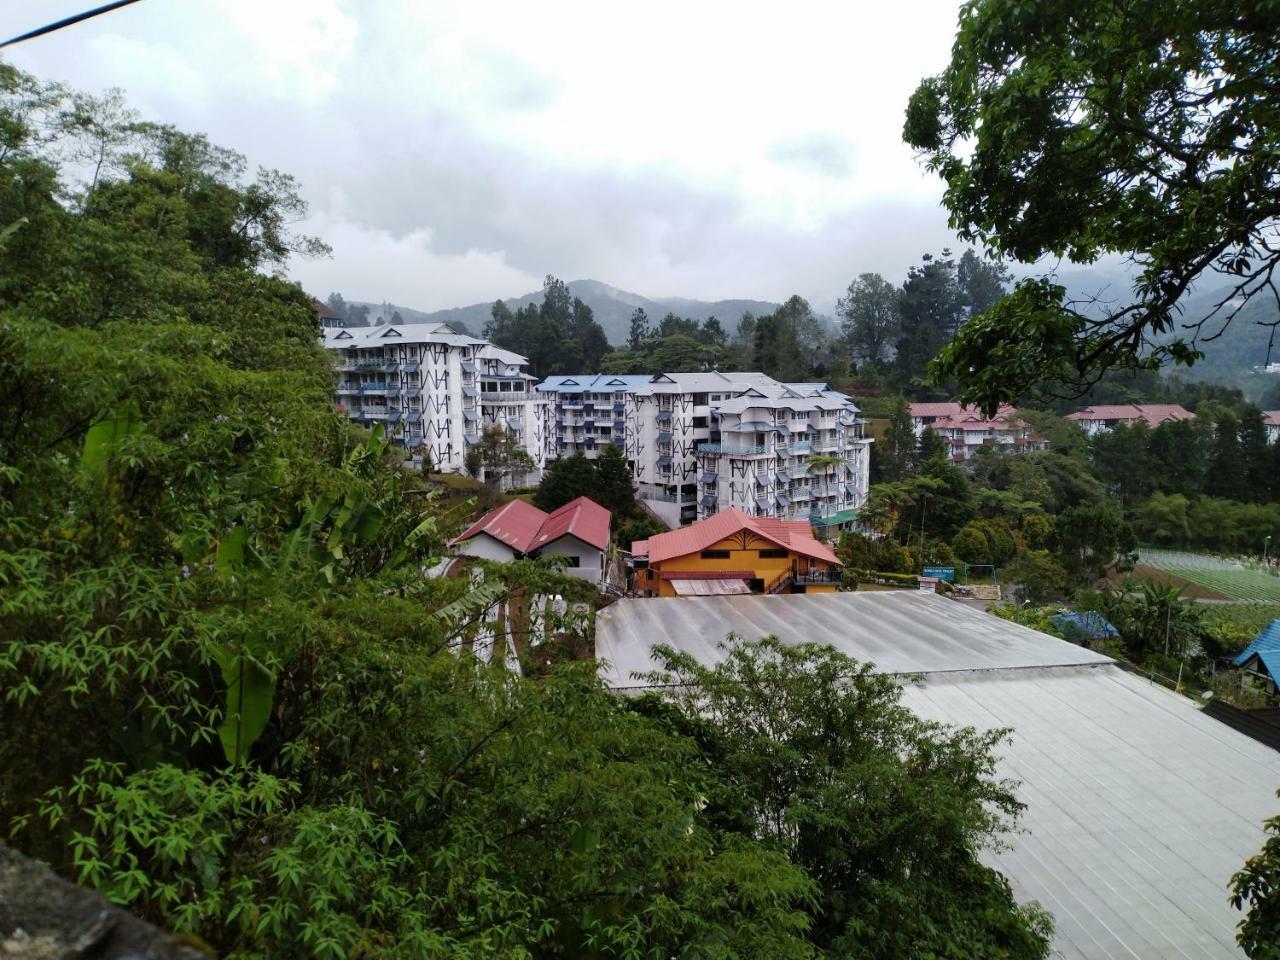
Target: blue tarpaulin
[(1087, 625)]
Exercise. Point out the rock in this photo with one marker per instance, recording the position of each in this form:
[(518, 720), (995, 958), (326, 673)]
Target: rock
[(43, 917)]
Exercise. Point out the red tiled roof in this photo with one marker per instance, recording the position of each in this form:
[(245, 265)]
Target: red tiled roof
[(794, 535), (953, 409), (1271, 418), (1153, 413), (582, 518), (524, 528)]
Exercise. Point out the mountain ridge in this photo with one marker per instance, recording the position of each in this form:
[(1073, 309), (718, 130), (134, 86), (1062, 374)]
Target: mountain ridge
[(611, 306)]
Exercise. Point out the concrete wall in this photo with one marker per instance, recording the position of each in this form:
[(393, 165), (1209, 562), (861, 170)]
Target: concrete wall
[(590, 560), (486, 547)]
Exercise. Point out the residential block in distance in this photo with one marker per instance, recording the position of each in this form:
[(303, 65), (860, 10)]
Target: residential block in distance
[(964, 429), (699, 443), (436, 391)]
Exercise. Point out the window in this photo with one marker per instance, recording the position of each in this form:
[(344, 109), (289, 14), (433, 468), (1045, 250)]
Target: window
[(699, 399), (715, 554), (773, 554)]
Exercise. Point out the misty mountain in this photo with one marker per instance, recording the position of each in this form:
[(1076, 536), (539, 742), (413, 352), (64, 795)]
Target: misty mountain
[(612, 309)]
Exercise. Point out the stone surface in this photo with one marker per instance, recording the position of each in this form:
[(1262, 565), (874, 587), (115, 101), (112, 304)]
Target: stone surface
[(43, 917)]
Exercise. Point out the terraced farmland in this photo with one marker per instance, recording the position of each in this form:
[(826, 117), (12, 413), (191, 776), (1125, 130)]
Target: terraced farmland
[(1227, 578)]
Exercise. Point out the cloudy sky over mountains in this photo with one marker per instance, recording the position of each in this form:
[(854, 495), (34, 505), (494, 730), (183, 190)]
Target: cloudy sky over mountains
[(456, 152)]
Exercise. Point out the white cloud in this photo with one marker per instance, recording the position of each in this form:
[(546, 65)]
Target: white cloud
[(704, 149), (372, 264)]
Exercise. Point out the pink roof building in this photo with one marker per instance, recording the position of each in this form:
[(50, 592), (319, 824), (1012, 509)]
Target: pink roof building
[(1101, 417), (1272, 420), (578, 531)]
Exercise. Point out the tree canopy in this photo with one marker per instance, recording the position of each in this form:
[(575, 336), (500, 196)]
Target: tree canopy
[(1081, 130)]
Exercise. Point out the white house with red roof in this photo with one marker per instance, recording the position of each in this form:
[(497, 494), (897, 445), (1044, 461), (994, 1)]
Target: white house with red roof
[(578, 531), (964, 428), (1102, 417), (1272, 420)]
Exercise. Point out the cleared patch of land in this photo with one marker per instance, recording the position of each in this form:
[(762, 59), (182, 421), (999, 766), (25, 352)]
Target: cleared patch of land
[(1210, 577)]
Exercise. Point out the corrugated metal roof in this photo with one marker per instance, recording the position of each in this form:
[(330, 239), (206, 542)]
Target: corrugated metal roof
[(1266, 647), (710, 588), (1139, 808)]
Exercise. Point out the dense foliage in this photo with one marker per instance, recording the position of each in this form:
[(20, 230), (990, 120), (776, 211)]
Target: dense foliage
[(233, 702), (1078, 130)]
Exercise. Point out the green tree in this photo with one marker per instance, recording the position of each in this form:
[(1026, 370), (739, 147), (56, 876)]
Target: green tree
[(821, 762), (931, 446), (1082, 130), (1256, 455), (1256, 890), (500, 457), (982, 282), (1038, 574), (615, 490), (930, 306), (565, 479), (869, 317), (893, 457), (713, 333), (639, 329), (1092, 538), (1227, 475)]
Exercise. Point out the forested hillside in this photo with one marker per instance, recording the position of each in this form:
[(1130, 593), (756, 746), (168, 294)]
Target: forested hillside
[(233, 703)]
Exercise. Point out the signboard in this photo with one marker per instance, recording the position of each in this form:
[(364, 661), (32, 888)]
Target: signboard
[(928, 584), (942, 573)]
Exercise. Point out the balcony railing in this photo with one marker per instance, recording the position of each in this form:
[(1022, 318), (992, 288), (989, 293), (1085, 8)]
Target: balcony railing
[(731, 451), (506, 396)]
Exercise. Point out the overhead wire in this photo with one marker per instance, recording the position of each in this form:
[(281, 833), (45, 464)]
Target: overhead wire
[(67, 22)]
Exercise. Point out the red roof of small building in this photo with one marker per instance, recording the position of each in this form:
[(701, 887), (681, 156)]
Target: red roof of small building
[(1153, 414), (1271, 418), (953, 409), (582, 518), (794, 535), (524, 528)]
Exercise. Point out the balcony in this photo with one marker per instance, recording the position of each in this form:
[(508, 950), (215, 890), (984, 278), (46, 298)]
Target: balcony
[(506, 396), (619, 408), (391, 366), (374, 413), (373, 389), (349, 389), (410, 366), (731, 451), (468, 366)]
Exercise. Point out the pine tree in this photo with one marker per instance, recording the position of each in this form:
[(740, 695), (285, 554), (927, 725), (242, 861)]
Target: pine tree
[(639, 329), (1256, 454), (614, 490), (1227, 476), (892, 459)]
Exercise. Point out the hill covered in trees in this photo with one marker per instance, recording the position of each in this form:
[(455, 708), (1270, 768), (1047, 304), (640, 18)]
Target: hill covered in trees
[(611, 307)]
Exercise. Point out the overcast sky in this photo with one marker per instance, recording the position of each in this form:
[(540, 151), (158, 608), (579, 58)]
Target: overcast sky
[(457, 152)]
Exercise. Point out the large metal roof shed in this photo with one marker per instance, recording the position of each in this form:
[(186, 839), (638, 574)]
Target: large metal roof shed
[(1139, 807)]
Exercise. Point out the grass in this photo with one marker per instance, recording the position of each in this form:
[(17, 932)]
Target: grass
[(1234, 625)]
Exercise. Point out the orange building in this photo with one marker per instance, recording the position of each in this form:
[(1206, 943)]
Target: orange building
[(732, 552)]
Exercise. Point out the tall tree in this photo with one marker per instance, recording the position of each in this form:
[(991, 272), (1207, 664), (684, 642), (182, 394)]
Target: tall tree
[(588, 335), (1255, 453), (500, 458), (1227, 475), (1085, 129), (930, 305), (639, 329), (869, 312), (565, 479), (982, 282), (615, 490), (892, 458)]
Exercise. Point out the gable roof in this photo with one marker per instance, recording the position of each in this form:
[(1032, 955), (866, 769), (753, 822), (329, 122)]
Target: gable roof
[(1271, 418), (514, 524), (1153, 414), (524, 528), (794, 535), (582, 518), (1266, 647)]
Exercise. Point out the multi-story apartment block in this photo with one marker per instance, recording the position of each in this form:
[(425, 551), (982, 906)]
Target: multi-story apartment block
[(794, 455), (589, 411), (672, 428), (964, 429), (436, 391)]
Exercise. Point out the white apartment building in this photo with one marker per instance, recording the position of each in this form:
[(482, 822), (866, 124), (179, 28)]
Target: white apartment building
[(796, 455), (1271, 418), (436, 391), (589, 411), (662, 421)]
